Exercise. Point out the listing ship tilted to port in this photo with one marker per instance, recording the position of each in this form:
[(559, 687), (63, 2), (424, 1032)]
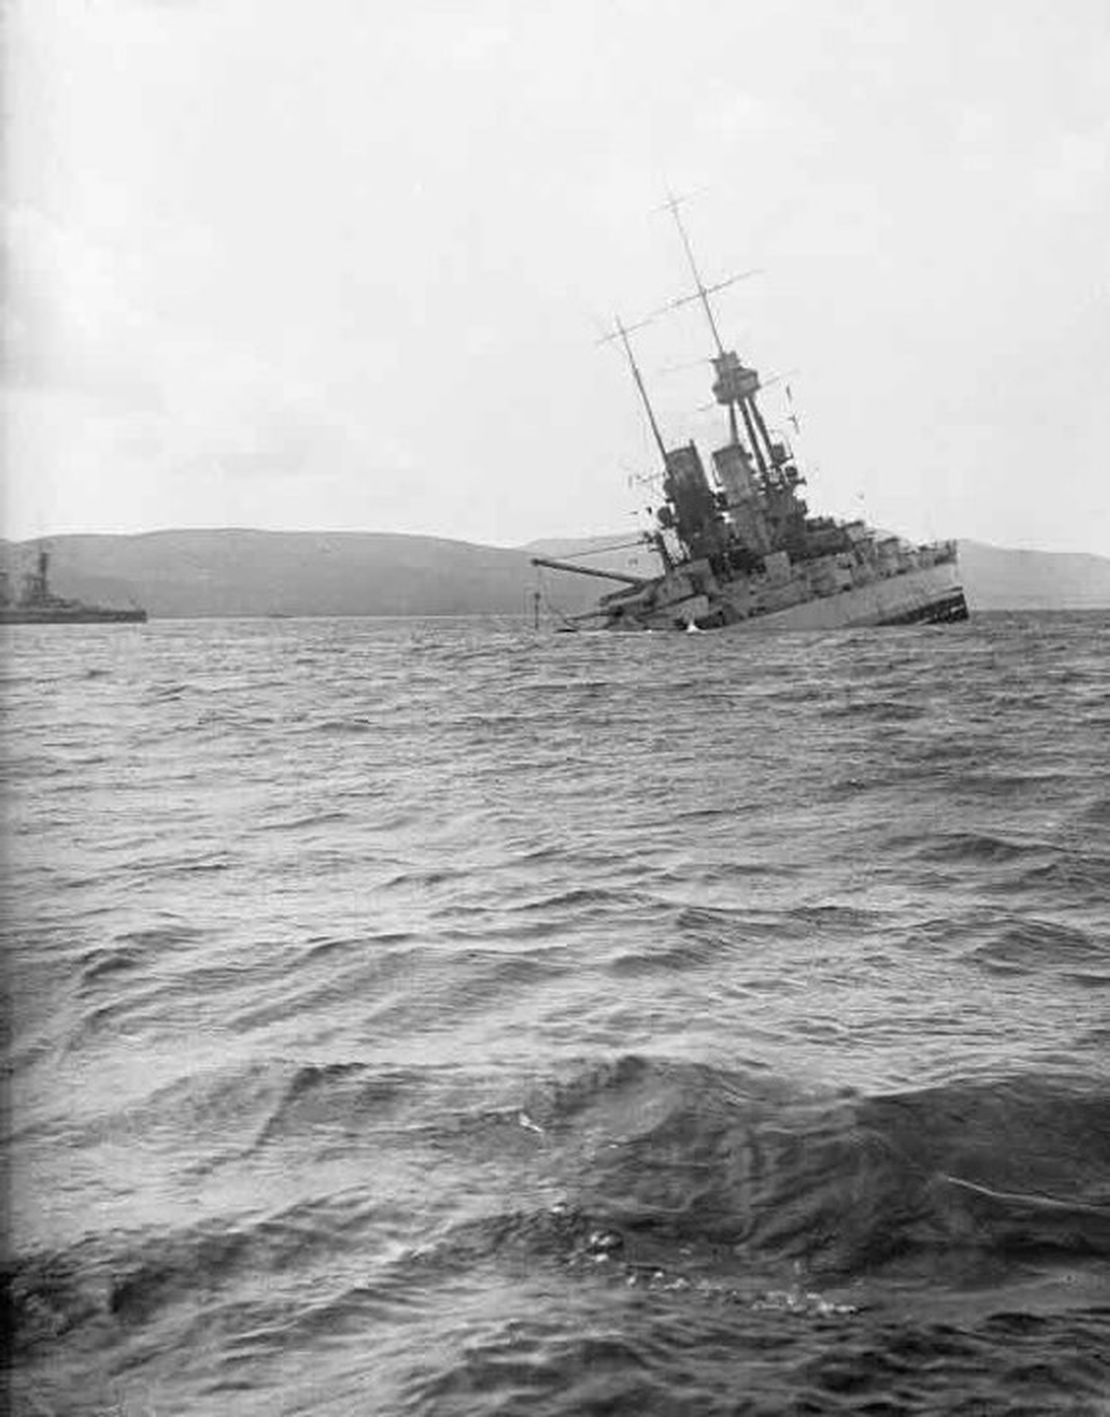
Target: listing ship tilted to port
[(38, 605), (743, 552)]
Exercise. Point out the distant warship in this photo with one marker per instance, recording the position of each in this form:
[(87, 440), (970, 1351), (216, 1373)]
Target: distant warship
[(742, 552), (38, 605)]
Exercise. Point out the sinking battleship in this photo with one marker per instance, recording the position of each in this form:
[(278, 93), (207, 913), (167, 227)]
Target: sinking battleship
[(38, 605), (741, 551)]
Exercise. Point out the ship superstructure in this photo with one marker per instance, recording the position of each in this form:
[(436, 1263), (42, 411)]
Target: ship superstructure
[(37, 604), (739, 548)]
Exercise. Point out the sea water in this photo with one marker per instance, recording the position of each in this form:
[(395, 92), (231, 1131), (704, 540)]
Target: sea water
[(440, 1017)]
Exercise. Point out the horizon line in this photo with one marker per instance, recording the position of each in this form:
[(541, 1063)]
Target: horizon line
[(39, 538)]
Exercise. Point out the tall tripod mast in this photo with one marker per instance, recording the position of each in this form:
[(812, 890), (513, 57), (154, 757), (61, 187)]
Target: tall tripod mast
[(725, 362), (703, 293), (622, 333)]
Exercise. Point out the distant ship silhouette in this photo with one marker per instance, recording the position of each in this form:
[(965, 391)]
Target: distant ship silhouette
[(38, 605)]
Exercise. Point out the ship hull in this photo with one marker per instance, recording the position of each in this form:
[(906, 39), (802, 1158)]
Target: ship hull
[(78, 615), (929, 595)]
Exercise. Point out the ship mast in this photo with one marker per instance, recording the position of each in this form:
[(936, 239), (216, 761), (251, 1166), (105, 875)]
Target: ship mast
[(622, 332), (736, 385), (703, 293)]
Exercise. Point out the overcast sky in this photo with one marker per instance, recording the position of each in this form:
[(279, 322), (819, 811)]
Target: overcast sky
[(343, 265)]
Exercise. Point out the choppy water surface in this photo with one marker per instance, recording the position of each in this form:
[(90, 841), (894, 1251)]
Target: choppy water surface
[(416, 1017)]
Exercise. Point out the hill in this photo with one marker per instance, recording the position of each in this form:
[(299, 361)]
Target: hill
[(242, 572), (1005, 578)]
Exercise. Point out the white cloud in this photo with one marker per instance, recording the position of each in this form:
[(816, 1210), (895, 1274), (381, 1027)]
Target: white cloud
[(342, 266), (1073, 170)]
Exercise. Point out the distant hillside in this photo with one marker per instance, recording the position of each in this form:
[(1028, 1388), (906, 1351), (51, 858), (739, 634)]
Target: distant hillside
[(1001, 578), (233, 572)]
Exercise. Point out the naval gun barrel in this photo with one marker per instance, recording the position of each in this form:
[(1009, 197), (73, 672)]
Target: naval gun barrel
[(588, 571)]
